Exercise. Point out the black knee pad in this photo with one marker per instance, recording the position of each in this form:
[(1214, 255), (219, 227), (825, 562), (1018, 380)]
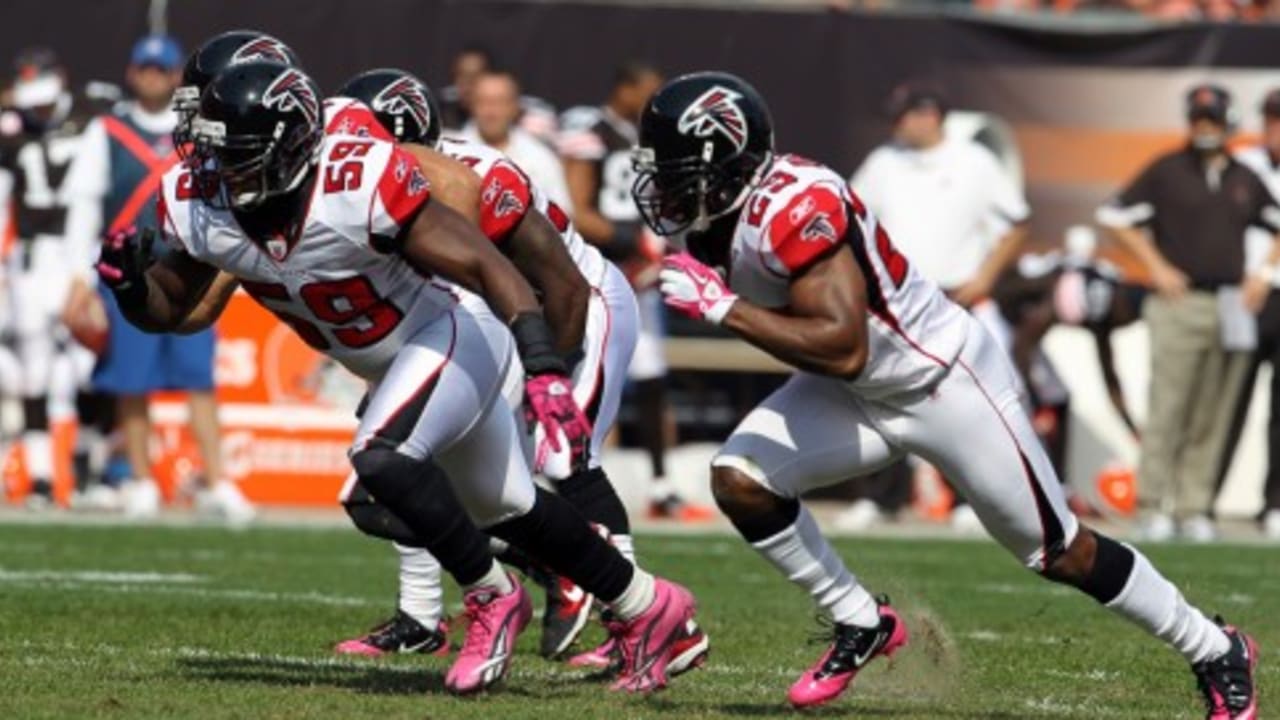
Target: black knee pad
[(774, 514), (591, 493), (417, 493), (35, 413), (1112, 566), (763, 526), (376, 520), (379, 463)]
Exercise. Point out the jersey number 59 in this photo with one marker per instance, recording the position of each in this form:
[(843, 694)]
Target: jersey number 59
[(357, 316)]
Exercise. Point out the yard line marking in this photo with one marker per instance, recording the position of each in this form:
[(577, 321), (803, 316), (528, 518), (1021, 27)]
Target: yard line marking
[(210, 593), (1053, 706), (1095, 675), (99, 576), (1028, 589)]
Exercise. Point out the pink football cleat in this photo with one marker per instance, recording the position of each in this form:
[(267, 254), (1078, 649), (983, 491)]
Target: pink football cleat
[(688, 652), (1228, 682), (400, 634), (604, 656), (493, 623), (850, 651), (649, 640)]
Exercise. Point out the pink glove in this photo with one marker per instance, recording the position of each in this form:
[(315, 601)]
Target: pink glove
[(549, 401), (695, 289)]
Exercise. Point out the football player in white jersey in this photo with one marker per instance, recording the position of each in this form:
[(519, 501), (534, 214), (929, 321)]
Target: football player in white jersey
[(337, 235), (885, 365), (590, 304)]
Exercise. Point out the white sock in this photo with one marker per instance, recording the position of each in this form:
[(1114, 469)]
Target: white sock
[(1154, 604), (636, 598), (421, 596), (808, 560), (38, 447), (625, 545), (496, 578)]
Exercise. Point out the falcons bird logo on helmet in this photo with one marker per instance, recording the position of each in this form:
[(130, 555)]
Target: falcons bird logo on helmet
[(716, 111), (404, 96), (264, 48), (292, 91)]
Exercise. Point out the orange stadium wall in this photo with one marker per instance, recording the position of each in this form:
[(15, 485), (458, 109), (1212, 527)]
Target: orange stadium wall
[(287, 414)]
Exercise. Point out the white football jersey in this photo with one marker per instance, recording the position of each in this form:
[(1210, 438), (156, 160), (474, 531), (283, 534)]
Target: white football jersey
[(337, 280), (507, 193), (796, 214)]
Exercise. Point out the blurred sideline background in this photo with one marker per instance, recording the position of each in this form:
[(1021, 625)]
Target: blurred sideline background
[(1074, 98)]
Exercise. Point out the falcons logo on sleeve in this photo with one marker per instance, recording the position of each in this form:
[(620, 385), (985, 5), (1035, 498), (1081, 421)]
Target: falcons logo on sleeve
[(501, 199), (716, 111), (401, 97), (264, 48), (291, 91), (819, 227)]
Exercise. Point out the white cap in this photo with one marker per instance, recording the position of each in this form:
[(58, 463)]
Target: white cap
[(44, 89)]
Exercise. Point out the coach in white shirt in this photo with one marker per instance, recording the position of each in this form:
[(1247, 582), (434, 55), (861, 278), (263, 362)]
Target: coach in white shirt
[(495, 110), (952, 211), (946, 202)]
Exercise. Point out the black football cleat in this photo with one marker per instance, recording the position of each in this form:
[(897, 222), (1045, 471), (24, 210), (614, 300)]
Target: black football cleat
[(1228, 682), (400, 634), (565, 615)]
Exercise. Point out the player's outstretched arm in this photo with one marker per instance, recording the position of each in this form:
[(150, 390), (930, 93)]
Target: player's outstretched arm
[(534, 244), (824, 330), (210, 307), (154, 296), (536, 248), (442, 241)]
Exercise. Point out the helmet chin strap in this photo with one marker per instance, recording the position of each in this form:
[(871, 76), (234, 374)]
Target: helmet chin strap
[(703, 220)]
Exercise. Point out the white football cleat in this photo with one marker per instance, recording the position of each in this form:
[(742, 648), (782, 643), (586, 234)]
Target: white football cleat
[(859, 516), (1271, 525), (141, 499), (1199, 529), (964, 521), (98, 497), (225, 502), (1158, 528)]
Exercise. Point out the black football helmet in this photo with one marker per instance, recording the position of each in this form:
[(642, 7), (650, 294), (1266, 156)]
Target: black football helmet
[(402, 103), (704, 141), (257, 133), (215, 55)]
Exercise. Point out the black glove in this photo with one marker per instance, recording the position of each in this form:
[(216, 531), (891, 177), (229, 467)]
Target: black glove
[(122, 266)]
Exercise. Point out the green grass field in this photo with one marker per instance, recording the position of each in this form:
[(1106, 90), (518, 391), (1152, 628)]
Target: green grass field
[(135, 622)]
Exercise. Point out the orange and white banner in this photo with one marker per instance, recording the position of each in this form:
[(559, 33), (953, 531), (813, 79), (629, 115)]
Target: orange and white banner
[(287, 413), (287, 416)]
